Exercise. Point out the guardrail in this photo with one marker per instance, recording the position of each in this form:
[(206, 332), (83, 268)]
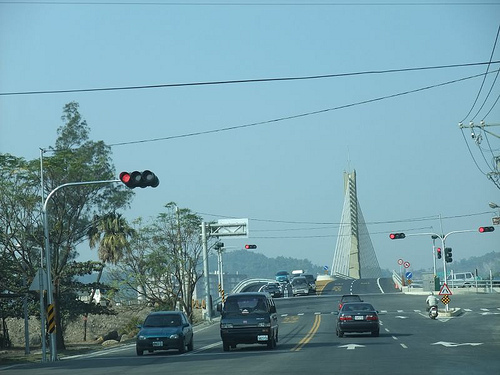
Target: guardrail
[(477, 286)]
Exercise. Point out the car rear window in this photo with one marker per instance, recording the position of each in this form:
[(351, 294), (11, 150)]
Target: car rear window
[(358, 307), (162, 321), (245, 304)]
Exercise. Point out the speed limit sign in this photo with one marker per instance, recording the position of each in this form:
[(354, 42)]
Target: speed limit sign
[(400, 261)]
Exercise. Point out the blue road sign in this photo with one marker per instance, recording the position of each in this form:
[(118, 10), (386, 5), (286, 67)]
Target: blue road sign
[(409, 275)]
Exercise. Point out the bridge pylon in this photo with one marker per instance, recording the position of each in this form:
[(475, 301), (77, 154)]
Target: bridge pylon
[(354, 255)]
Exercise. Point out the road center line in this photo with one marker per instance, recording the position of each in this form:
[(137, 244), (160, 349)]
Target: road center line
[(310, 334)]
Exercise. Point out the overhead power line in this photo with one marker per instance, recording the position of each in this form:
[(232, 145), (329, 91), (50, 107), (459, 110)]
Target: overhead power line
[(253, 4), (240, 81), (266, 122), (407, 220)]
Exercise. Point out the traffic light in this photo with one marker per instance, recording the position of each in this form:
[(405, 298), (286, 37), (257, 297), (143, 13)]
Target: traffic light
[(250, 247), (448, 256), (439, 252), (486, 229), (219, 245), (397, 236), (139, 179)]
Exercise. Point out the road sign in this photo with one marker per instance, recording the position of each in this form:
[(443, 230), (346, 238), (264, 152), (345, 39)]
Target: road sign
[(40, 278), (51, 318), (407, 264), (409, 275), (445, 291), (237, 228), (445, 299), (400, 261), (325, 268)]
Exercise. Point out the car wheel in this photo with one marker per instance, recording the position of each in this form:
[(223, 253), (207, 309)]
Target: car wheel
[(340, 333), (191, 345), (225, 346), (376, 333), (139, 351), (182, 347)]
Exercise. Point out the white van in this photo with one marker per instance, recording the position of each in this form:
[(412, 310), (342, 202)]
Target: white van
[(461, 280)]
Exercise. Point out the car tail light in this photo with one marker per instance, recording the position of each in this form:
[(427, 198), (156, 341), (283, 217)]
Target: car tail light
[(372, 317), (345, 318)]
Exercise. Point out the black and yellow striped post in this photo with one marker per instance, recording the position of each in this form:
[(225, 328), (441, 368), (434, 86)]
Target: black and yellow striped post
[(51, 318)]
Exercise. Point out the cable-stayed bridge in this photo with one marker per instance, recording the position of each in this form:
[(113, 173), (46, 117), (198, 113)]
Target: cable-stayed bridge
[(354, 256)]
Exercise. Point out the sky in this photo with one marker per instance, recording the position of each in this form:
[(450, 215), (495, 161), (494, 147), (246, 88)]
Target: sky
[(274, 150)]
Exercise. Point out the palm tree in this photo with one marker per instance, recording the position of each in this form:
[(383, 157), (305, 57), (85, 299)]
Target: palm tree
[(111, 233)]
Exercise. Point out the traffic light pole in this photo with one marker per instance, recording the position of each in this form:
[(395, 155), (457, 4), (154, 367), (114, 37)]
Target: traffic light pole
[(50, 296), (443, 238)]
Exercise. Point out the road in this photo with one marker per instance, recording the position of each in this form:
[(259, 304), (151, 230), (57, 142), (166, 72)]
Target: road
[(409, 342)]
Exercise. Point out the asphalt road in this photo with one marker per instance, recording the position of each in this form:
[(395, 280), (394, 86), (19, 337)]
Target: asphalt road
[(409, 343)]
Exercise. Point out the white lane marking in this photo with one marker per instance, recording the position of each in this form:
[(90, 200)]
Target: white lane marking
[(395, 338), (404, 346), (351, 346), (387, 330), (300, 314), (452, 344), (380, 286)]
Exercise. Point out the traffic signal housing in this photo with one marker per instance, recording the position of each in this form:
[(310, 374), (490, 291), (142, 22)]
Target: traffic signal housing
[(250, 247), (486, 229), (397, 236), (139, 179), (219, 245), (439, 255), (448, 256)]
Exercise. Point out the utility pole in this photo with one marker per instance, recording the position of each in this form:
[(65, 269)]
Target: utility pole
[(50, 296)]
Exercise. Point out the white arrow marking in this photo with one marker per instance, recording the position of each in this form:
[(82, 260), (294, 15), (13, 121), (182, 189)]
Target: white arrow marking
[(452, 344), (351, 346)]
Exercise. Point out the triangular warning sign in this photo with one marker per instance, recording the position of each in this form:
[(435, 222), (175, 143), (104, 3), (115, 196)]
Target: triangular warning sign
[(445, 290)]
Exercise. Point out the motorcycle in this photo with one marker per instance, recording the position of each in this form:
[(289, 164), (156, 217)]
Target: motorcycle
[(433, 312)]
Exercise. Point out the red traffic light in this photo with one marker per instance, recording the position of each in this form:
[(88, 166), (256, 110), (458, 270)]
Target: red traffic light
[(439, 252), (139, 179), (486, 229), (250, 247), (397, 236)]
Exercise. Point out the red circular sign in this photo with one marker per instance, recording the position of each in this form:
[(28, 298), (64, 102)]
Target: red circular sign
[(400, 261), (407, 264)]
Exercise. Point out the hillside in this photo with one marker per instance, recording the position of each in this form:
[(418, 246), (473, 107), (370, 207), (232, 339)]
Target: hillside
[(258, 265)]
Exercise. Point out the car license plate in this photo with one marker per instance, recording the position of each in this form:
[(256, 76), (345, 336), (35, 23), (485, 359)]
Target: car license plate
[(359, 317), (262, 338), (157, 343)]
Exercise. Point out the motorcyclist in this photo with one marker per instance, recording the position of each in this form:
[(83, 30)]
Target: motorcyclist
[(431, 301)]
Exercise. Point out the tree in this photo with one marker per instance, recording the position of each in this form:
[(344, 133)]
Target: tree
[(162, 265), (74, 158), (111, 234)]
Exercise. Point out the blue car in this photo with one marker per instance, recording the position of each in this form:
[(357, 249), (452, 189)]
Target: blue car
[(163, 330)]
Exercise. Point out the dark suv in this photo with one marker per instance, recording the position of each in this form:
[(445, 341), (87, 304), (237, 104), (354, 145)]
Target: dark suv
[(248, 318)]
